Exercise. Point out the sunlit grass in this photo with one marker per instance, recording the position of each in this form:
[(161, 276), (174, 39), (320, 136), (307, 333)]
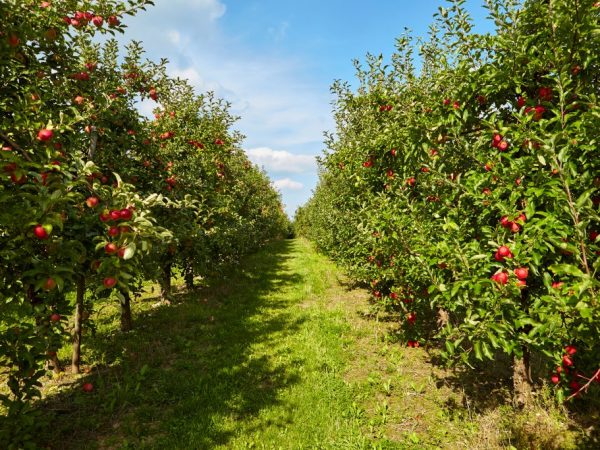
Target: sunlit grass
[(275, 353)]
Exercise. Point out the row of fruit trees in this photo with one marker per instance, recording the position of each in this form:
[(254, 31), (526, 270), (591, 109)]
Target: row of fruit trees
[(94, 198), (467, 193)]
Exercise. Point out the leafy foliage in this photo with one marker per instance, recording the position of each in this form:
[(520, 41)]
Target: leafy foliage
[(470, 188), (95, 198)]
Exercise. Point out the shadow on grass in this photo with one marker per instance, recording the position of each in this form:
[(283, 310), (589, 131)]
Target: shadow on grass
[(487, 387), (186, 374)]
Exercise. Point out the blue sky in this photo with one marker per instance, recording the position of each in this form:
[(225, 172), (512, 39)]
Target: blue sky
[(275, 61)]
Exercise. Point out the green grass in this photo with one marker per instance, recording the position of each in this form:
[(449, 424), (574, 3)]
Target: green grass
[(249, 362), (277, 354)]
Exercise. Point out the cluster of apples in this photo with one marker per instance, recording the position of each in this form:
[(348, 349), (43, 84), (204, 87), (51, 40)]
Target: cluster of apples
[(501, 277), (515, 224), (567, 368), (81, 18)]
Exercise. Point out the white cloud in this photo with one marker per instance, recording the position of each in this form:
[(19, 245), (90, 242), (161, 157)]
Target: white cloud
[(215, 8), (282, 104), (174, 36), (287, 183), (281, 160)]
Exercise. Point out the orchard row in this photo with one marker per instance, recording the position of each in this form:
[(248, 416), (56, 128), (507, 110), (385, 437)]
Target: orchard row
[(467, 194), (94, 198)]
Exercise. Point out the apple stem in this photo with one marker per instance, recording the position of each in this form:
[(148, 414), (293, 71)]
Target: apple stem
[(14, 145), (585, 386)]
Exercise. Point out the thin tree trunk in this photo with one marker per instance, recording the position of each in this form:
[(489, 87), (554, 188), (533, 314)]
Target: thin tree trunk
[(52, 362), (77, 328), (189, 276), (166, 282), (126, 319), (522, 384)]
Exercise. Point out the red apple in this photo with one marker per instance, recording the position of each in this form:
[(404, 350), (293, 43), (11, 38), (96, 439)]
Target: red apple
[(121, 252), (411, 181), (109, 282), (87, 387), (500, 277), (44, 135), (570, 349), (92, 202), (522, 273), (110, 248), (504, 252), (13, 40), (567, 361), (538, 112), (496, 140), (113, 21), (113, 231), (115, 214), (545, 94), (98, 21), (125, 214), (555, 378), (40, 232), (18, 179), (368, 164), (55, 317), (49, 284)]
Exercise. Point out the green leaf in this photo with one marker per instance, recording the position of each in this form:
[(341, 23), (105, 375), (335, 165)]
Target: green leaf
[(129, 251), (477, 349), (566, 269)]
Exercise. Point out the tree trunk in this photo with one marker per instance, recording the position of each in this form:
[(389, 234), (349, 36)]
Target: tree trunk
[(77, 328), (166, 282), (126, 320), (522, 383), (189, 276), (52, 362)]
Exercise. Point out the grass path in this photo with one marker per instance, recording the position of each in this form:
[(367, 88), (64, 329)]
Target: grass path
[(276, 355)]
